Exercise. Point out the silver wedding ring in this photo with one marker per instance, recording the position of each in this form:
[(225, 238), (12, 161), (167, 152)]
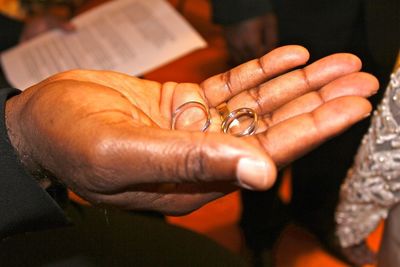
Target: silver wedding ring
[(234, 116), (191, 104)]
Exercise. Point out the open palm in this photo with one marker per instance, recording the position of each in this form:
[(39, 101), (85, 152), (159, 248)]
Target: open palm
[(108, 136)]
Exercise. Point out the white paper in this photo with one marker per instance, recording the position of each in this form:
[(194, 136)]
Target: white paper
[(129, 36)]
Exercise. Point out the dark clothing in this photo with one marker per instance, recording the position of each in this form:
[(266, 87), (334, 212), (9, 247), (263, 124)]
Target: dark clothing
[(10, 30), (328, 27), (233, 11), (24, 205), (108, 238), (367, 28)]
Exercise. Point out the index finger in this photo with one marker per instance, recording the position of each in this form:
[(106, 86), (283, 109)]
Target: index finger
[(224, 86)]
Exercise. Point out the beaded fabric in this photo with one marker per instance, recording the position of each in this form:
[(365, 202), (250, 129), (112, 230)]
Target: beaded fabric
[(372, 185)]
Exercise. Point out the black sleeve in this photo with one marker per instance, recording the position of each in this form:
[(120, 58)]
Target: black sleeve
[(232, 11), (10, 31), (24, 205)]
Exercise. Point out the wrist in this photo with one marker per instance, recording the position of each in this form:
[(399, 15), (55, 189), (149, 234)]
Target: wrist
[(24, 152)]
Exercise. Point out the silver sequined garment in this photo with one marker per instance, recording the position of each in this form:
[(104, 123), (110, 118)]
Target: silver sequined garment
[(372, 185)]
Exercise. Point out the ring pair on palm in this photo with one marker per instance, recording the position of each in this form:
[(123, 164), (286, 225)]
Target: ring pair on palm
[(232, 121)]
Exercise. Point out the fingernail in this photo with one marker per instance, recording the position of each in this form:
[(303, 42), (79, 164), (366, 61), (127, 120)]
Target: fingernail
[(367, 115), (252, 173)]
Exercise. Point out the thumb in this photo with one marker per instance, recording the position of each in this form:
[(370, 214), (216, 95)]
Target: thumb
[(165, 156)]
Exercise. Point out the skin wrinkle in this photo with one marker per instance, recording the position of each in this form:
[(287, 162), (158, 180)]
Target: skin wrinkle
[(203, 93), (270, 87), (162, 202), (129, 115), (160, 97), (152, 187), (130, 102), (304, 73), (315, 127), (254, 93), (90, 185), (156, 109), (154, 200), (193, 162), (142, 200), (227, 79), (83, 76), (174, 93), (187, 161), (176, 193), (320, 98), (165, 105), (184, 196), (170, 169), (162, 196), (87, 82), (160, 101), (201, 158), (305, 79), (268, 120), (263, 66), (193, 165), (97, 184), (203, 96), (88, 115)]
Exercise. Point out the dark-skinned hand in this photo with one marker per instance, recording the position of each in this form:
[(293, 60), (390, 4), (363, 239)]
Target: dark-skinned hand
[(107, 136)]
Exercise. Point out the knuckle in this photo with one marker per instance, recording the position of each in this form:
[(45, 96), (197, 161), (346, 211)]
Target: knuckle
[(254, 94), (189, 161), (228, 82), (194, 164), (305, 77)]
